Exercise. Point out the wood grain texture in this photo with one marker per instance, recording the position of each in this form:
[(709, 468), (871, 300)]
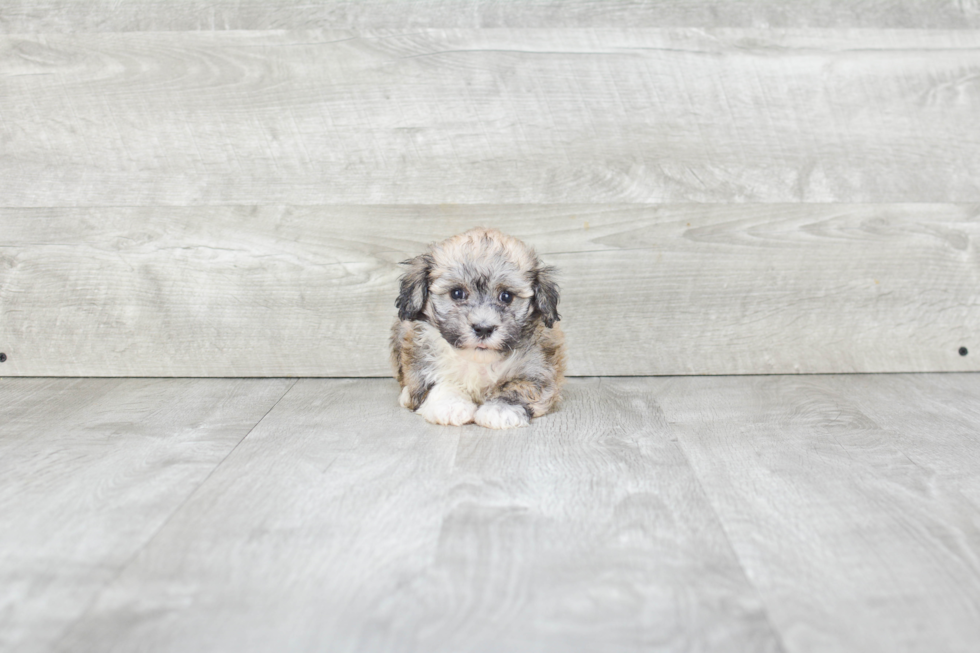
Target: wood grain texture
[(157, 15), (490, 116), (330, 505), (622, 522), (309, 291), (853, 502), (348, 523), (90, 469)]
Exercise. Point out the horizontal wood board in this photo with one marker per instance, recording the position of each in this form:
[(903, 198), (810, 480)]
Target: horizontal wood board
[(347, 523), (156, 15), (490, 116), (309, 291)]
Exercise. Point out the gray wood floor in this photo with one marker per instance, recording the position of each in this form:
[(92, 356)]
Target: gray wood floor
[(774, 513)]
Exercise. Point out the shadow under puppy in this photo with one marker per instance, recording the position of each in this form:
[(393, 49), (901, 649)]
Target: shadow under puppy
[(476, 338)]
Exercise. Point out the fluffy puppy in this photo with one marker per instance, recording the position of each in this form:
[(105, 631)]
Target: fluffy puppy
[(476, 338)]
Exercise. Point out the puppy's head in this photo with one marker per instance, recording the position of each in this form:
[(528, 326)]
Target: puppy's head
[(482, 289)]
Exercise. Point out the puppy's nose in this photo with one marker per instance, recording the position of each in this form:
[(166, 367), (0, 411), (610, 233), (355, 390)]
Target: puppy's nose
[(483, 330)]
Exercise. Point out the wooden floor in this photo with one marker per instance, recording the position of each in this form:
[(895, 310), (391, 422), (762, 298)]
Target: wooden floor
[(773, 513)]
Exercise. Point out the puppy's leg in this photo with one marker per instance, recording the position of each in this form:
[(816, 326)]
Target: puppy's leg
[(515, 402), (443, 405), (498, 414)]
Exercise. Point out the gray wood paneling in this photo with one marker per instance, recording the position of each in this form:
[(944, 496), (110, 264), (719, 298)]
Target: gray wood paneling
[(147, 15), (491, 116), (309, 291), (344, 522), (852, 502), (90, 470)]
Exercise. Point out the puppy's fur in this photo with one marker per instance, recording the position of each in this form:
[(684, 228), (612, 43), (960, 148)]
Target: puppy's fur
[(476, 338)]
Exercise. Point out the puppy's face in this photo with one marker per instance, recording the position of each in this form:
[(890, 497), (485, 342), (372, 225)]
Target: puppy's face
[(483, 290), (480, 306)]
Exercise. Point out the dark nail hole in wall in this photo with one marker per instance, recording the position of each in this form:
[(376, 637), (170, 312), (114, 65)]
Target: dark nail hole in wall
[(964, 351)]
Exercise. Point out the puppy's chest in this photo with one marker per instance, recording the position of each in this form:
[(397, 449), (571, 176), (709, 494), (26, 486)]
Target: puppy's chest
[(476, 378)]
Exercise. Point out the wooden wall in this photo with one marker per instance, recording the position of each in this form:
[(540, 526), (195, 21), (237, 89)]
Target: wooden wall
[(226, 188)]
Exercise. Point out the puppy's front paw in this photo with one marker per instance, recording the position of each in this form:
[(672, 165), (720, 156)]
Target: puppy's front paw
[(448, 410), (499, 415), (405, 398)]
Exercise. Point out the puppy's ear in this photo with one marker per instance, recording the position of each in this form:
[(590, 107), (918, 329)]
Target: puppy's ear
[(414, 288), (545, 298)]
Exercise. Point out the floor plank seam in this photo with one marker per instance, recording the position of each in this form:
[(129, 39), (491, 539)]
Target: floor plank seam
[(776, 632), (123, 567)]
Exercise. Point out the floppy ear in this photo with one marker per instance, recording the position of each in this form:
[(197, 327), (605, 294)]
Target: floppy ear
[(546, 295), (414, 288)]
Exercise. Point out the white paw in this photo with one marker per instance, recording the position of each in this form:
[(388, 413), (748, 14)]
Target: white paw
[(498, 415), (446, 409), (405, 398)]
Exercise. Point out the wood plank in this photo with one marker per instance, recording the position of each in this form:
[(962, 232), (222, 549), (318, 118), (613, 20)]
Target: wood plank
[(860, 535), (309, 291), (90, 469), (329, 506), (587, 533), (157, 15), (923, 410), (928, 399), (345, 522), (21, 399), (489, 116)]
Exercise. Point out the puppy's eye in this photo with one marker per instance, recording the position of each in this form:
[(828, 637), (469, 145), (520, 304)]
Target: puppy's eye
[(506, 297), (458, 294)]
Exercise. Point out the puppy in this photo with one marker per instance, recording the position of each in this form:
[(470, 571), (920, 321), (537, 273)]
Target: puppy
[(476, 338)]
